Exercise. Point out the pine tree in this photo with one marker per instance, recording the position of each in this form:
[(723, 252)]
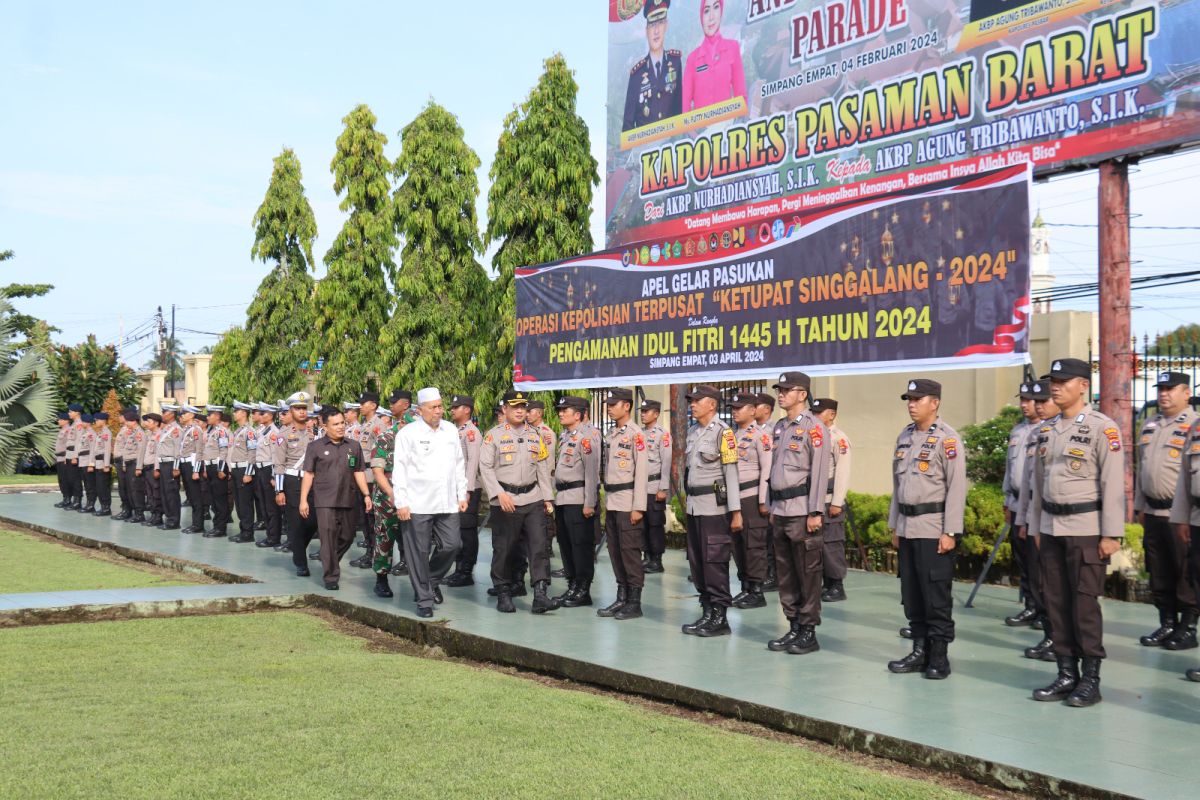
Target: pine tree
[(352, 302), (434, 336), (540, 201), (229, 372), (279, 321)]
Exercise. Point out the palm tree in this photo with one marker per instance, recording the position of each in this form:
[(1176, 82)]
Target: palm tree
[(27, 399)]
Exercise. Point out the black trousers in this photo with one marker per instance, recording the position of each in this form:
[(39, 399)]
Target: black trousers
[(122, 485), (300, 530), (1031, 556), (1194, 558), (153, 490), (264, 490), (260, 507), (926, 577), (525, 525), (219, 490), (1166, 561), (135, 487), (1073, 580), (468, 534), (833, 536), (102, 487), (191, 488), (575, 543), (1026, 568), (798, 559), (75, 482), (243, 494), (336, 528), (709, 548), (168, 487), (89, 487), (654, 526), (750, 546), (60, 469)]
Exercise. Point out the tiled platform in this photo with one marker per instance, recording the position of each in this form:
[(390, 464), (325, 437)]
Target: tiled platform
[(1138, 742)]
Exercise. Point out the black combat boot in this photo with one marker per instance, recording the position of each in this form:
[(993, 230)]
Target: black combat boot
[(1193, 675), (582, 595), (938, 665), (916, 661), (125, 513), (740, 596), (1042, 651), (381, 585), (633, 604), (504, 603), (1166, 626), (1064, 684), (104, 512), (1184, 637), (717, 624), (785, 641), (706, 611), (400, 568), (753, 597), (541, 601), (364, 561), (806, 642), (1024, 617), (612, 608), (905, 632), (654, 564), (771, 584), (457, 579), (567, 595), (1087, 691), (834, 593), (242, 538)]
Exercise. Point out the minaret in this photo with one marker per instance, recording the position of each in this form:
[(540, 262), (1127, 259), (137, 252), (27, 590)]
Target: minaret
[(1041, 279)]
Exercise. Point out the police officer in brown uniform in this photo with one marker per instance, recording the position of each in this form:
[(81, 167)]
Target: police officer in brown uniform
[(1025, 541), (714, 510), (191, 465), (799, 466), (1015, 465), (118, 467), (132, 445), (658, 483), (535, 414), (242, 447), (1077, 508), (264, 481), (60, 458), (1160, 458), (833, 533), (168, 469), (74, 470), (577, 499), (929, 480), (1185, 511), (754, 473), (102, 464), (147, 467), (762, 415), (462, 406), (332, 489), (215, 454), (87, 455), (625, 472), (288, 468), (515, 467)]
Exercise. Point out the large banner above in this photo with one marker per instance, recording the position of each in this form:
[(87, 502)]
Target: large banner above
[(724, 112), (933, 278)]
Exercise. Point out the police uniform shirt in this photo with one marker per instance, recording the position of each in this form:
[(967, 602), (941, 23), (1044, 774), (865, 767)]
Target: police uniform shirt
[(754, 462), (192, 444), (1161, 447), (60, 444), (216, 446), (514, 460), (1185, 508), (1079, 460), (87, 447), (654, 91), (550, 440), (333, 466), (170, 443), (712, 459), (369, 432), (929, 472), (264, 454), (839, 468), (242, 447), (471, 440), (384, 450), (118, 446), (132, 449), (288, 450), (658, 459), (1025, 491), (578, 462), (801, 456), (1015, 462), (102, 448), (149, 459), (625, 468), (74, 436)]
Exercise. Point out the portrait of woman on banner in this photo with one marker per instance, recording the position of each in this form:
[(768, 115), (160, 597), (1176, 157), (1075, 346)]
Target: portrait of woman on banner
[(713, 71)]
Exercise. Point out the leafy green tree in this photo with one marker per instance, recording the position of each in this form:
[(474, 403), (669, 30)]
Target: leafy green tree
[(229, 372), (27, 398), (434, 336), (279, 321), (539, 203), (986, 446), (1183, 341), (34, 330), (86, 372), (352, 301)]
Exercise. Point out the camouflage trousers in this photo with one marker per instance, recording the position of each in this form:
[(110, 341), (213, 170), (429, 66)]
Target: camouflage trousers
[(387, 534)]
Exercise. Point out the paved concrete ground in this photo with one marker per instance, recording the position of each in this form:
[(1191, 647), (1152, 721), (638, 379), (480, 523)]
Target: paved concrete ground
[(1139, 741)]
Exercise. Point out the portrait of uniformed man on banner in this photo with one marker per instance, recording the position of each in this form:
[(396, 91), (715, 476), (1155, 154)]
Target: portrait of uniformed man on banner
[(655, 82)]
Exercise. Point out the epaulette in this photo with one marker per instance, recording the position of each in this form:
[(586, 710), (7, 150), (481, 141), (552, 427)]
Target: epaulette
[(641, 64), (674, 53)]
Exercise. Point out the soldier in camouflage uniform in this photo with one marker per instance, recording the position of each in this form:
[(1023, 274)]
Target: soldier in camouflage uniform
[(387, 524)]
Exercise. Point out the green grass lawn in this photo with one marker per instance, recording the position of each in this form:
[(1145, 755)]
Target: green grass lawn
[(24, 480), (30, 564), (282, 705)]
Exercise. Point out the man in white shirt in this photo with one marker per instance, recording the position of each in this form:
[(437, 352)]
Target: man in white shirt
[(429, 484)]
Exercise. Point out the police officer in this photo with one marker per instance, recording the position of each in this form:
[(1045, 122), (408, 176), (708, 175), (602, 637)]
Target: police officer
[(1160, 457), (535, 414), (655, 90), (515, 466), (833, 532), (216, 469), (87, 456), (762, 415), (288, 468), (1025, 541), (799, 466), (74, 470), (118, 468), (1077, 508), (929, 480), (147, 469), (462, 406), (1185, 511), (131, 465), (658, 483), (1015, 464), (101, 468), (714, 514), (167, 469), (625, 471), (242, 447), (264, 481), (60, 459), (191, 465), (577, 498), (754, 473)]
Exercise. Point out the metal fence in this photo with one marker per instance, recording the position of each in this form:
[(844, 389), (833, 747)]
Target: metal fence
[(1149, 360), (728, 389)]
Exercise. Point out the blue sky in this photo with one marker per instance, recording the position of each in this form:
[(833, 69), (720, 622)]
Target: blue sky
[(138, 140)]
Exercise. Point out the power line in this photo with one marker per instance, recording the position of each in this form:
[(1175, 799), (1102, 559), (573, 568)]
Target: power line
[(1132, 227)]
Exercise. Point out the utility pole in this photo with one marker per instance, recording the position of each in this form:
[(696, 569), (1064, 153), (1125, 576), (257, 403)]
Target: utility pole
[(171, 355), (1116, 344)]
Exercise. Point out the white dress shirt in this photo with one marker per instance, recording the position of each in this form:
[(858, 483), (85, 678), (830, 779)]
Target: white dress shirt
[(429, 475)]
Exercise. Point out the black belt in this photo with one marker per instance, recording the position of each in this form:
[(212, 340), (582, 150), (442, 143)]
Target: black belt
[(921, 509), (563, 486), (1014, 492), (654, 477), (84, 453), (617, 487), (744, 485), (511, 489), (790, 492), (1195, 501), (1066, 509), (1160, 505), (700, 491)]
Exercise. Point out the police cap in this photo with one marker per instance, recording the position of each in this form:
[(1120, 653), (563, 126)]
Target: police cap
[(1064, 369), (514, 398), (704, 390), (654, 10), (825, 404), (580, 404), (462, 400), (618, 394), (922, 387), (1168, 379), (793, 380)]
